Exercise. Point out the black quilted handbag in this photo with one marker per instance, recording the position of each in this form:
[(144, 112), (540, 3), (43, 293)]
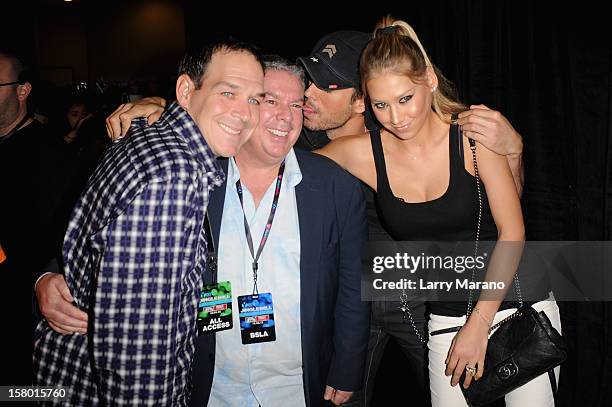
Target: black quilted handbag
[(524, 346)]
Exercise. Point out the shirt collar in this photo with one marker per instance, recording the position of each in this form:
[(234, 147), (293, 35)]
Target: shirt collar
[(292, 176), (292, 169), (181, 122), (233, 173)]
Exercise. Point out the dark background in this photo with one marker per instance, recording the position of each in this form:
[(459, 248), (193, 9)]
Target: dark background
[(545, 65)]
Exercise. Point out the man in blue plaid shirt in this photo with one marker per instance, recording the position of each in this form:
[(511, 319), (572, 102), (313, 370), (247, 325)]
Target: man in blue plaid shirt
[(135, 247)]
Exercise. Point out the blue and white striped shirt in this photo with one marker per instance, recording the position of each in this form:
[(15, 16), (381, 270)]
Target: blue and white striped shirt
[(134, 256)]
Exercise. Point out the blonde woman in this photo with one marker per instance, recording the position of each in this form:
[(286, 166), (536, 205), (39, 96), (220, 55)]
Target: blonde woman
[(422, 170)]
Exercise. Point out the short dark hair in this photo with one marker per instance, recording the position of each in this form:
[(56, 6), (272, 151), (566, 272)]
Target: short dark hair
[(196, 60)]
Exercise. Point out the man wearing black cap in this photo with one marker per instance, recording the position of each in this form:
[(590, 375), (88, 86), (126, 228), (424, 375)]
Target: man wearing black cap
[(334, 101), (335, 107)]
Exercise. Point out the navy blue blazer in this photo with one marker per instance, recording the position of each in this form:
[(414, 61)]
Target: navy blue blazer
[(334, 320)]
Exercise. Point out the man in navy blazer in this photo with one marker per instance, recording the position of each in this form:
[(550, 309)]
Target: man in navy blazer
[(330, 322), (332, 228)]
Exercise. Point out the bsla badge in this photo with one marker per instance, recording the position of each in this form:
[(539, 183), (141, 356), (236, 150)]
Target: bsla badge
[(256, 314)]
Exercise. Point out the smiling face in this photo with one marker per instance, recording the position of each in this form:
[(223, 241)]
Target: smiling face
[(400, 104), (226, 106), (280, 120)]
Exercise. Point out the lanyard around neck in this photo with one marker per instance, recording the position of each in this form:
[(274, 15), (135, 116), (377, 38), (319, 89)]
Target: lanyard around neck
[(266, 233)]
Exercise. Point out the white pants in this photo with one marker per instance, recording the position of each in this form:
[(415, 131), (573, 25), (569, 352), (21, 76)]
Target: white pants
[(536, 393)]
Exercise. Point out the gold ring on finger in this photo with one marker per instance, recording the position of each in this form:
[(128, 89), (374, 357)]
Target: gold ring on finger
[(471, 370)]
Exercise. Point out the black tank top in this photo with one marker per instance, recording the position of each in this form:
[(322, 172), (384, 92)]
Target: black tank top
[(451, 217)]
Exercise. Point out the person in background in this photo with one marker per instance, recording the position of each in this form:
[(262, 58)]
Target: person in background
[(28, 161), (76, 114)]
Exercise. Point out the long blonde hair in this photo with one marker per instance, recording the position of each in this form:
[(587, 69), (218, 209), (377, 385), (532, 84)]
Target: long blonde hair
[(395, 46)]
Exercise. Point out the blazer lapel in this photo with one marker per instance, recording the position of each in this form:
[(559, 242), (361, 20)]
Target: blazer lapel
[(310, 215)]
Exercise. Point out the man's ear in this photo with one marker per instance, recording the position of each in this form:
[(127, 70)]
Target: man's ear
[(358, 105), (23, 91), (184, 90)]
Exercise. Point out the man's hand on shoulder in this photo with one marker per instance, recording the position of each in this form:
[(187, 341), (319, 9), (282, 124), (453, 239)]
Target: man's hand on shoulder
[(491, 129), (118, 123)]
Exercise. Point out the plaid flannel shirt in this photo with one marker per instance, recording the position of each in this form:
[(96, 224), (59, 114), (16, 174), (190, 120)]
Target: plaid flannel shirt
[(134, 256)]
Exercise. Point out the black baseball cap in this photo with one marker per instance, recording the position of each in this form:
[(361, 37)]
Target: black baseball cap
[(334, 61)]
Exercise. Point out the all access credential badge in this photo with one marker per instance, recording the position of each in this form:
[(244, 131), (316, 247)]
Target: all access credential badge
[(215, 308)]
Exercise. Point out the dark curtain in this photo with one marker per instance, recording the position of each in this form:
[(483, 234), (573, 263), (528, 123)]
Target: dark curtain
[(547, 68)]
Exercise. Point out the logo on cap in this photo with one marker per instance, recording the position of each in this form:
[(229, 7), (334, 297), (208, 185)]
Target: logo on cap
[(330, 50), (314, 59)]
